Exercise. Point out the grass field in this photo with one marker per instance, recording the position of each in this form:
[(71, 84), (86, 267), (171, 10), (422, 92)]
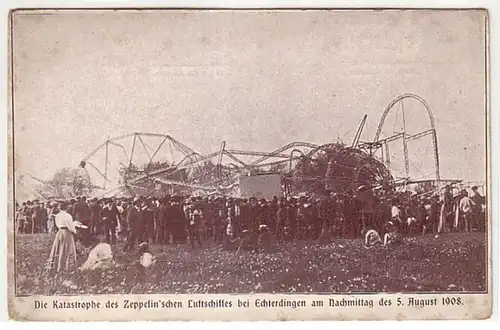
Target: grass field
[(451, 262)]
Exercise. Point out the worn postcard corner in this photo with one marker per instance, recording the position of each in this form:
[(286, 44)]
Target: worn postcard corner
[(249, 165)]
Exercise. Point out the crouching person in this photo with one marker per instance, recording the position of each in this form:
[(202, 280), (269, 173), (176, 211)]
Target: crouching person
[(372, 237), (392, 236), (100, 256), (147, 258)]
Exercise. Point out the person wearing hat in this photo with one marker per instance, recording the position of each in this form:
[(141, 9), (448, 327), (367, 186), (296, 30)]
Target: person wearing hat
[(36, 217), (110, 218), (63, 252), (70, 206), (135, 226), (433, 210), (20, 218), (162, 234), (28, 222), (479, 201), (195, 225), (446, 211), (327, 214), (48, 210), (219, 221), (392, 235), (95, 217), (81, 210), (148, 217), (464, 218)]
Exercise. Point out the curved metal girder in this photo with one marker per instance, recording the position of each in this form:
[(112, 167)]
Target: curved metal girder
[(393, 103), (404, 136)]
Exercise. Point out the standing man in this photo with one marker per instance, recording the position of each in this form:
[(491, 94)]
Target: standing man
[(465, 212), (280, 220), (70, 208), (161, 229), (28, 219), (135, 225), (37, 217), (20, 217), (479, 201), (148, 216), (81, 211), (110, 217), (446, 212), (95, 217), (195, 223)]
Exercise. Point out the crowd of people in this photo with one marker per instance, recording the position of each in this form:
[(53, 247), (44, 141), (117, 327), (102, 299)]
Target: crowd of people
[(226, 220), (180, 219)]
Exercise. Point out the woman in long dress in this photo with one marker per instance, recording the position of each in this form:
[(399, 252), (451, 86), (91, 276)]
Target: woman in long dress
[(63, 251)]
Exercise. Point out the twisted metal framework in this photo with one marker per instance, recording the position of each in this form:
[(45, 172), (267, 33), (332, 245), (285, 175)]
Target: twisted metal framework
[(223, 167)]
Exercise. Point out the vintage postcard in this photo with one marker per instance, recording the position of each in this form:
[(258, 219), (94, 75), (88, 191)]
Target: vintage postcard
[(183, 164)]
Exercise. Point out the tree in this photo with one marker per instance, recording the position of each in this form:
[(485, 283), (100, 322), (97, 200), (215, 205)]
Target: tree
[(61, 180), (67, 182)]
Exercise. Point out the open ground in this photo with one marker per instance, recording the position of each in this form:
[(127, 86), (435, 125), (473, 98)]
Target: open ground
[(450, 262)]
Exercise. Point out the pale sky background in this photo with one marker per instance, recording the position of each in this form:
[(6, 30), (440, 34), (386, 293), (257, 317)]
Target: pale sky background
[(257, 80)]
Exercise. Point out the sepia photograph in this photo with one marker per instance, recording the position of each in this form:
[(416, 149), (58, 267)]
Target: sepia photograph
[(298, 152)]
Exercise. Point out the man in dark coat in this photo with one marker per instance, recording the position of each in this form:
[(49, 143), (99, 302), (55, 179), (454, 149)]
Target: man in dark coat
[(110, 218), (161, 226), (281, 220), (81, 211), (37, 218), (135, 226), (70, 208), (479, 215), (95, 217), (148, 217)]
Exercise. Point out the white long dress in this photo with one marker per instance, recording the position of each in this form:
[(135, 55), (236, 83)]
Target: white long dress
[(63, 251)]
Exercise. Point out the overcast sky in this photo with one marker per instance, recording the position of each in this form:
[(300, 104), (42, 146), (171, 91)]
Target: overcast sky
[(257, 80)]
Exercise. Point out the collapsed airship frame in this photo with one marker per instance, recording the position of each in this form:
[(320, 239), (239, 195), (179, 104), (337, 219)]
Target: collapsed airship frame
[(303, 167)]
